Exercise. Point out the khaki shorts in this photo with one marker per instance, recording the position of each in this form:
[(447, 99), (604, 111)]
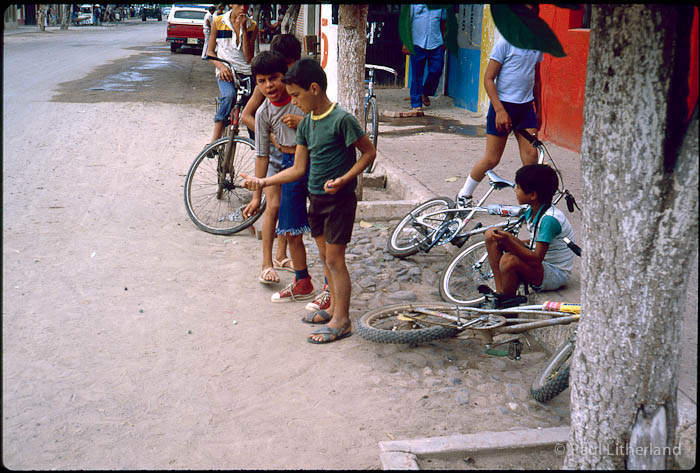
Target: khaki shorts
[(553, 278), (332, 216)]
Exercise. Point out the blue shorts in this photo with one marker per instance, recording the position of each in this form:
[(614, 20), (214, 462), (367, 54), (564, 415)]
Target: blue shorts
[(553, 278), (274, 164), (293, 219), (522, 115)]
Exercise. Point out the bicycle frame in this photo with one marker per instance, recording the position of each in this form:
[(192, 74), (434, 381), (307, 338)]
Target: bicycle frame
[(243, 88), (370, 82), (488, 324)]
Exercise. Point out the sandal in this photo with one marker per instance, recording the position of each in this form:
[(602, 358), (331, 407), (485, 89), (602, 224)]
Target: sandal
[(327, 332), (266, 272), (309, 318), (285, 265)]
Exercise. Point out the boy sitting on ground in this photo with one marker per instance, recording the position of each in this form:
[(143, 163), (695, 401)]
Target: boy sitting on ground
[(544, 261), (326, 141), (269, 68)]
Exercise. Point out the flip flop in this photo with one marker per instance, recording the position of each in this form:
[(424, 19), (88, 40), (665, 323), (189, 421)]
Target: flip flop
[(264, 273), (309, 318), (327, 332), (284, 265)]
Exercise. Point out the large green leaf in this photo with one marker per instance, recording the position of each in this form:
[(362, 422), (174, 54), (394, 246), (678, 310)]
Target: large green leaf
[(522, 28)]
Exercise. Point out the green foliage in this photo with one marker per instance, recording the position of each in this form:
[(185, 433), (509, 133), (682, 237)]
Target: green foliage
[(450, 38), (522, 28)]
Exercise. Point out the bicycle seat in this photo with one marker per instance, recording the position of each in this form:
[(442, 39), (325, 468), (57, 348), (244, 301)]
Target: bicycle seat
[(498, 182)]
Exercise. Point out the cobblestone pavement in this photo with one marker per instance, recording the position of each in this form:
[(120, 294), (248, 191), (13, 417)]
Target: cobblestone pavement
[(446, 373)]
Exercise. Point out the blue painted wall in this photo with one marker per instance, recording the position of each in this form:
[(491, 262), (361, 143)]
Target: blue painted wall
[(463, 78)]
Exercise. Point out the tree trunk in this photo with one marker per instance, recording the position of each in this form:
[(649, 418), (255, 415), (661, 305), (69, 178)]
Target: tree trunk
[(41, 18), (639, 161), (289, 22), (352, 44), (256, 17), (65, 15)]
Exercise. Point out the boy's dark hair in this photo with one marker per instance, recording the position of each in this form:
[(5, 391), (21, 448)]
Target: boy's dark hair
[(539, 178), (304, 72), (268, 62), (287, 45)]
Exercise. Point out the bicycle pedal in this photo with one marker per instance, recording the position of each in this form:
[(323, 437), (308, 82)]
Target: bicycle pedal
[(459, 241), (515, 347)]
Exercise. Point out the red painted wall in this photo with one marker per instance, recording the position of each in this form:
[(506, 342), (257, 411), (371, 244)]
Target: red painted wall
[(564, 79)]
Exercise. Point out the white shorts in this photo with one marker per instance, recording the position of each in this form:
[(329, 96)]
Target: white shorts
[(553, 278)]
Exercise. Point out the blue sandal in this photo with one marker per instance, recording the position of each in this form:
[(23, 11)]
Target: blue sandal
[(327, 332), (309, 318)]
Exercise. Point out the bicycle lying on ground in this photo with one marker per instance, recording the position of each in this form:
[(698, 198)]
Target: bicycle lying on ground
[(214, 192), (422, 322), (553, 379), (371, 113), (439, 221)]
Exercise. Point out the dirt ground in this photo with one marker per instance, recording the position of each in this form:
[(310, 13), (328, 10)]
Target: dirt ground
[(132, 340)]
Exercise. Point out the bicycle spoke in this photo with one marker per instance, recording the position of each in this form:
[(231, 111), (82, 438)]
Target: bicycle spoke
[(216, 205)]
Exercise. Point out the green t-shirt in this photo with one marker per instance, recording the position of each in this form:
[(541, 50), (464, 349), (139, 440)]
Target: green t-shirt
[(548, 226), (331, 151)]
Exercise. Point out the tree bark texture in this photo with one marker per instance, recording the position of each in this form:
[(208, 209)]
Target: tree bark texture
[(41, 18), (65, 15), (639, 161), (289, 21), (256, 18), (352, 46)]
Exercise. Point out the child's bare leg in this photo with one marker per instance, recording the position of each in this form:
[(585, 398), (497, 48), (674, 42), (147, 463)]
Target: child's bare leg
[(281, 252), (513, 271), (528, 153), (297, 250), (321, 244), (494, 150), (495, 254), (339, 283), (218, 131), (272, 196)]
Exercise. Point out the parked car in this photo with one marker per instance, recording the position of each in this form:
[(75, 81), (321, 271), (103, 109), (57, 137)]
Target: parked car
[(151, 11), (166, 11), (84, 16), (185, 26)]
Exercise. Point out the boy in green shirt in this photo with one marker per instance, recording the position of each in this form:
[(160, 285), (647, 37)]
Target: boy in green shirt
[(326, 141)]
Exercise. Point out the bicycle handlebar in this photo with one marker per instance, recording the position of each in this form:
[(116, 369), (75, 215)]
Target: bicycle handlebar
[(245, 89), (381, 68), (531, 138)]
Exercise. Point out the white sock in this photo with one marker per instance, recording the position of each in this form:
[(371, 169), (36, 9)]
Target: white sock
[(469, 187)]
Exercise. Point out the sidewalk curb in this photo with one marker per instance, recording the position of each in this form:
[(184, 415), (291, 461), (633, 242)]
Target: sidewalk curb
[(402, 454), (399, 183)]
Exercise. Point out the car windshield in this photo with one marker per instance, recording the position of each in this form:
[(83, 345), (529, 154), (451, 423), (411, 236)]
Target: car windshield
[(190, 15)]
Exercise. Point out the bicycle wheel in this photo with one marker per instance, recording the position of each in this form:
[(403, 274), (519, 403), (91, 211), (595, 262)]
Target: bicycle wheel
[(371, 128), (399, 323), (221, 216), (407, 235), (225, 165), (554, 377), (461, 278)]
